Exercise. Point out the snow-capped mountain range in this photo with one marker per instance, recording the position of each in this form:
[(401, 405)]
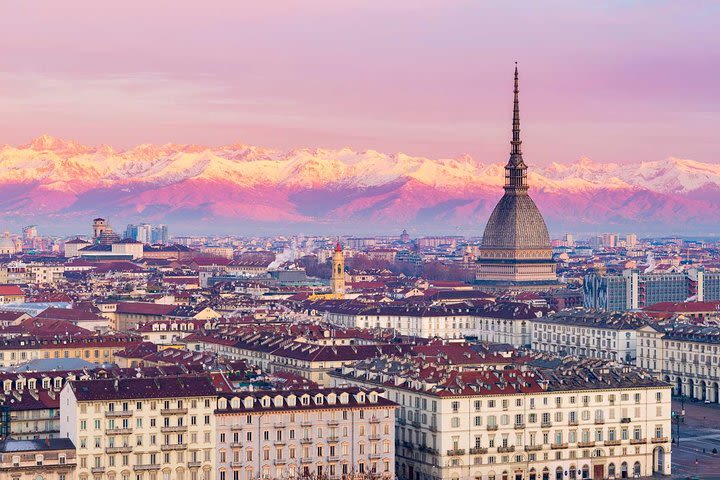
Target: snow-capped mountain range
[(54, 180)]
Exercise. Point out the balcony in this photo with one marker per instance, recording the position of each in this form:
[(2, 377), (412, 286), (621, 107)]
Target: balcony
[(408, 445), (306, 460), (280, 461), (492, 428), (573, 423), (478, 451), (599, 421), (585, 444), (237, 426), (625, 420), (282, 424), (148, 466), (176, 446), (306, 423), (638, 441), (659, 439), (194, 464), (118, 450), (118, 431), (333, 423), (333, 458), (558, 446), (508, 449), (306, 440), (519, 426), (97, 470), (433, 428), (374, 420), (119, 414), (174, 411), (433, 451), (236, 464), (457, 451), (176, 429), (533, 448), (546, 425), (612, 443), (236, 445), (279, 443), (333, 439)]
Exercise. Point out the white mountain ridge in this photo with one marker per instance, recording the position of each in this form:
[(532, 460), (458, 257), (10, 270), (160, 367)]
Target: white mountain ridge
[(69, 166)]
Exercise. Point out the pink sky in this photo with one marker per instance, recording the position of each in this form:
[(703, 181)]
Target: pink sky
[(617, 81)]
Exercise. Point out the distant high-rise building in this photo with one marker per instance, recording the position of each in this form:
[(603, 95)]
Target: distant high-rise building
[(516, 250), (609, 240), (30, 232), (630, 240), (147, 233), (569, 240)]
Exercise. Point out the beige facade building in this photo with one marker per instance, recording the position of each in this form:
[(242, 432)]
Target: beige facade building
[(524, 424), (46, 459), (686, 357), (328, 433), (141, 428)]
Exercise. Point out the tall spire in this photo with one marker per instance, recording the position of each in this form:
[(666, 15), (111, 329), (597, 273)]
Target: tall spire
[(516, 170), (516, 119)]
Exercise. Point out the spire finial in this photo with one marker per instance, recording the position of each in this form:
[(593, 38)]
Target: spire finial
[(516, 119)]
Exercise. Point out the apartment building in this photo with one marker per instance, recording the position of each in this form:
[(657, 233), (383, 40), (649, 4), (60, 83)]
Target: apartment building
[(47, 459), (96, 348), (506, 322), (685, 356), (581, 420), (158, 428), (632, 289), (311, 433), (589, 333)]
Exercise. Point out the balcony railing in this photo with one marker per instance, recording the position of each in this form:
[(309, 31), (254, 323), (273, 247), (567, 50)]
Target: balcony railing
[(457, 451), (374, 438), (659, 439), (637, 441), (478, 451), (585, 444), (599, 421), (173, 411), (558, 446), (97, 469), (280, 461), (176, 446), (148, 466), (546, 424), (519, 426), (573, 423), (508, 449), (492, 428), (533, 448), (119, 414), (118, 449), (306, 440), (194, 464), (177, 428), (118, 431)]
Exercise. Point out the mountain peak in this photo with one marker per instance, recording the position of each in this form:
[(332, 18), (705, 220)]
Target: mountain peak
[(46, 142)]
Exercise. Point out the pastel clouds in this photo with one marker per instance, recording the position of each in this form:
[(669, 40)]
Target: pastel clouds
[(617, 81)]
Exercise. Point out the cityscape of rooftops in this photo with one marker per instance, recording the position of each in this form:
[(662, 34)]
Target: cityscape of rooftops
[(458, 240)]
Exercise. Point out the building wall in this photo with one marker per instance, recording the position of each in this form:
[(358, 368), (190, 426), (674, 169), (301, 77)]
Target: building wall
[(493, 437), (152, 437)]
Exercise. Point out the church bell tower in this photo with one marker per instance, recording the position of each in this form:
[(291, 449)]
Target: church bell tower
[(337, 279)]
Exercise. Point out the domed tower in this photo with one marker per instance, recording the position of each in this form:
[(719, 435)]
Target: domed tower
[(516, 249), (337, 280)]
